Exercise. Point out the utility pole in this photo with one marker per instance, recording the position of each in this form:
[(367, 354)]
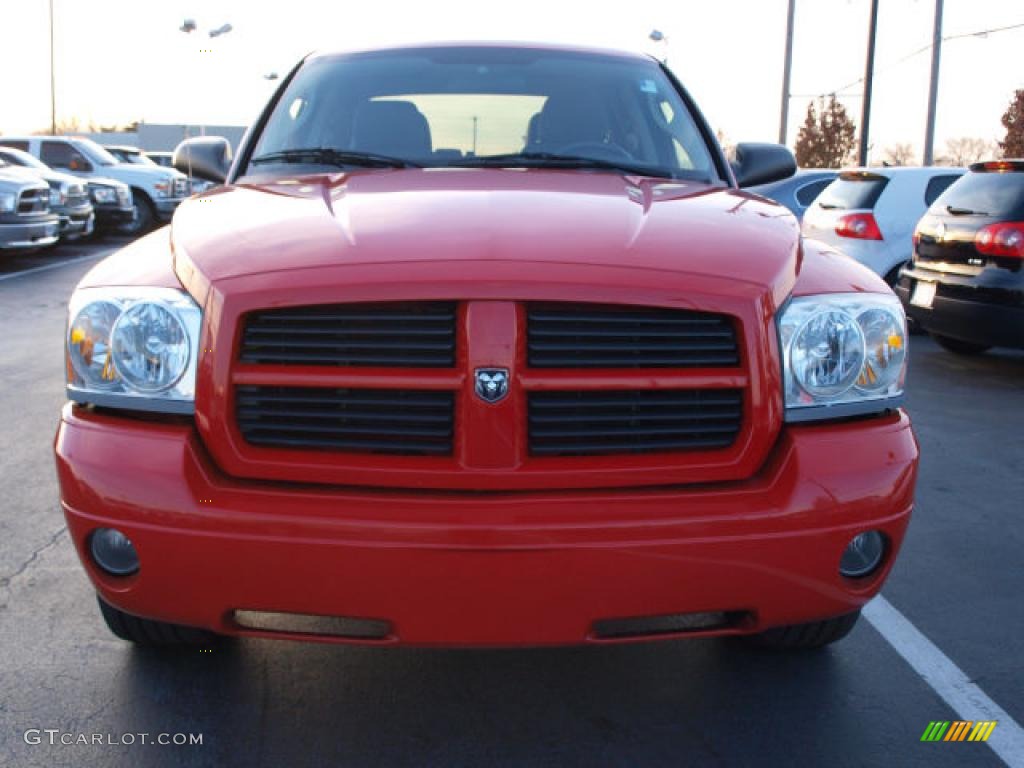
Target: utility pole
[(786, 70), (53, 81), (933, 91), (869, 76)]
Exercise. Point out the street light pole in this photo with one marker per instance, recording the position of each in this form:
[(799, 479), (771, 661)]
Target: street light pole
[(933, 90), (188, 27), (786, 71), (53, 81), (869, 76), (658, 36)]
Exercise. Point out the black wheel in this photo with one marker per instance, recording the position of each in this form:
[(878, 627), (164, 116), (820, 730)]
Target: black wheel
[(145, 216), (802, 637), (960, 347), (149, 632)]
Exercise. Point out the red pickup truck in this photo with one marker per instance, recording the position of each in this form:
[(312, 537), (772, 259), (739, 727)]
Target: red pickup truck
[(483, 345)]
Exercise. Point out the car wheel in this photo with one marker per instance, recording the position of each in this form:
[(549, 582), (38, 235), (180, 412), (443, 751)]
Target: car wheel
[(960, 347), (149, 632), (144, 215), (802, 637)]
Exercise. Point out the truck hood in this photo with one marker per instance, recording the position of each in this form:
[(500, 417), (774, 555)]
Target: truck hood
[(24, 177), (137, 175), (394, 217), (50, 177)]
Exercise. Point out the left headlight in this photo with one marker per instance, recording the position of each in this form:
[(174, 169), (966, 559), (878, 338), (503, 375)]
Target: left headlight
[(133, 348), (843, 355)]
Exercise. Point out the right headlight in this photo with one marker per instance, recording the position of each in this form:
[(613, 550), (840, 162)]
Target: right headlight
[(7, 202), (133, 348), (843, 355), (106, 195)]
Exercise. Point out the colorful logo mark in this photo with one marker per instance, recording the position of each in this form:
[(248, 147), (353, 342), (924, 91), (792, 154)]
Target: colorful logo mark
[(959, 730)]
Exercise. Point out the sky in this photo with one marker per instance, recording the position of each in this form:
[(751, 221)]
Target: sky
[(121, 60)]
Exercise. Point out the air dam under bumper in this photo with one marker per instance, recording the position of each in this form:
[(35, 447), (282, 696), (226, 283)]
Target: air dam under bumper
[(464, 569)]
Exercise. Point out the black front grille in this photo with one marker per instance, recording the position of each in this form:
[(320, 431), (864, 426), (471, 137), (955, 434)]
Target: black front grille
[(34, 201), (598, 336), (404, 335), (358, 420), (641, 421)]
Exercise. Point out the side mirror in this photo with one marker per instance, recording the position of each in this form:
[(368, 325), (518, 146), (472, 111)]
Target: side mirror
[(208, 157), (80, 166), (762, 163)]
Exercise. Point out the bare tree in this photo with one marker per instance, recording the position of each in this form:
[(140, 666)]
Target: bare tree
[(899, 154), (966, 150), (728, 146), (68, 125)]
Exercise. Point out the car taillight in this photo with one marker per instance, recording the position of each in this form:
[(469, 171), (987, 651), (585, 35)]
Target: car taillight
[(1005, 238), (859, 225)]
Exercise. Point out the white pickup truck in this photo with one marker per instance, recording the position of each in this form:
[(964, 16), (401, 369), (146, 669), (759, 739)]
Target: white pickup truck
[(156, 192)]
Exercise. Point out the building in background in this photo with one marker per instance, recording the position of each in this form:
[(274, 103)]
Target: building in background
[(157, 137)]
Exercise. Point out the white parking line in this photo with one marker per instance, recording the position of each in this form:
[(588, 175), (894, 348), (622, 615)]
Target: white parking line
[(59, 264), (947, 679)]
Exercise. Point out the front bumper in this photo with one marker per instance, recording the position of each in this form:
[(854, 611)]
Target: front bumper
[(34, 234), (467, 569), (111, 216), (978, 309), (166, 206), (75, 222)]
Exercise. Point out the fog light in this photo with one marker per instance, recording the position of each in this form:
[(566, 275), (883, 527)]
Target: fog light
[(862, 555), (113, 552)]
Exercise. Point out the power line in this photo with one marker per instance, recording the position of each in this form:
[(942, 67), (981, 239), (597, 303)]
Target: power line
[(839, 91)]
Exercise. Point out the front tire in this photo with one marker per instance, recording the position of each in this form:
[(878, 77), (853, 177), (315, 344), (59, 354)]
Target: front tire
[(149, 632), (805, 637), (145, 215), (960, 347)]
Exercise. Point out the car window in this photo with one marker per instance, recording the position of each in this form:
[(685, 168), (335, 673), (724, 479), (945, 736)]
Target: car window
[(808, 193), (60, 154), (936, 186), (853, 192), (22, 145), (94, 152), (996, 194), (17, 157), (434, 106)]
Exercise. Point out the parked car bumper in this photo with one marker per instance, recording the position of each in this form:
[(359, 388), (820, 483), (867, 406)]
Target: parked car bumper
[(113, 217), (966, 308), (75, 222), (469, 569), (165, 207), (33, 234)]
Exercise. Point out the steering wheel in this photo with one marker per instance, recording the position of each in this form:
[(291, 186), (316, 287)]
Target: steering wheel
[(596, 149)]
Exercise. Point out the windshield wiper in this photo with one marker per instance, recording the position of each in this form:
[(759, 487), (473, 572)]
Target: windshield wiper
[(829, 206), (336, 157), (552, 160), (957, 211)]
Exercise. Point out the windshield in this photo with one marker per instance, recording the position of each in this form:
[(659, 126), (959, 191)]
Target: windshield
[(94, 152), (18, 157), (854, 192), (452, 106), (135, 158), (1000, 195)]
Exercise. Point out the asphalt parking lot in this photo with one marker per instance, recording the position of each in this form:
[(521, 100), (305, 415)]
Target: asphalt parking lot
[(861, 702)]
